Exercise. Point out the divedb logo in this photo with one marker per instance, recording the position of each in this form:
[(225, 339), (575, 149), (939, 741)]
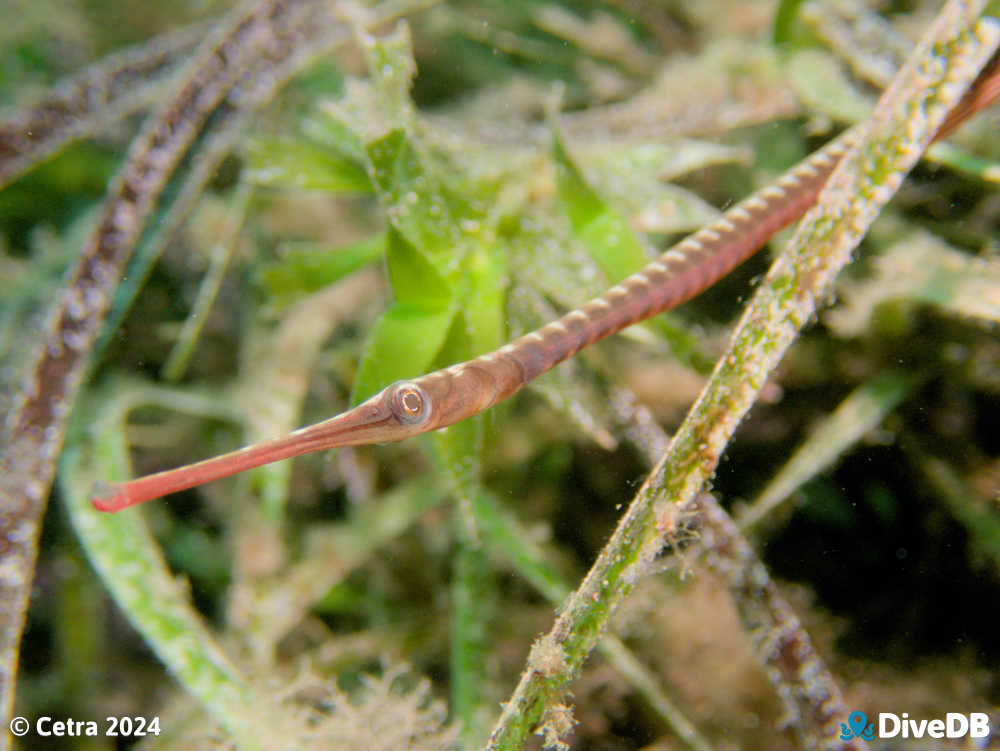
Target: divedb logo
[(859, 727), (890, 725)]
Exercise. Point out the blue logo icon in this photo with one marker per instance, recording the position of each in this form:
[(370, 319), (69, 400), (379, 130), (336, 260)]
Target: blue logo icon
[(860, 727)]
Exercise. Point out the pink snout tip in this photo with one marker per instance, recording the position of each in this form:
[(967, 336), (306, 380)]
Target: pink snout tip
[(110, 496)]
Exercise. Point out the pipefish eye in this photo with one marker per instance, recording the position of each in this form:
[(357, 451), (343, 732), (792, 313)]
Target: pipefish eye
[(410, 403)]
